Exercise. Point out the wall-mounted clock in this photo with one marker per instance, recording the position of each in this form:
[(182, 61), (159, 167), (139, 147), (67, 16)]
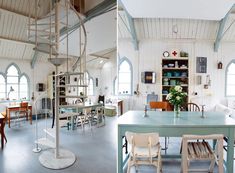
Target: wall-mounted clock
[(166, 54)]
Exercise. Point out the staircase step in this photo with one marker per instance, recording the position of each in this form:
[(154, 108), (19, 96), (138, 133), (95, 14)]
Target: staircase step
[(45, 48), (50, 132), (41, 40), (45, 142)]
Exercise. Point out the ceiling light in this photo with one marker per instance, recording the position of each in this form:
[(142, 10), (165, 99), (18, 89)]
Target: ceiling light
[(101, 61)]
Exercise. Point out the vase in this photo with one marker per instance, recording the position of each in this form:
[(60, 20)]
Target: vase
[(177, 111)]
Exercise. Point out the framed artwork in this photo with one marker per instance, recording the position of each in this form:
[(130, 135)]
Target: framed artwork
[(201, 65)]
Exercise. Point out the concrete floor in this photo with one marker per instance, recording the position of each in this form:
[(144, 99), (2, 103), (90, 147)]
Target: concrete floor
[(95, 150)]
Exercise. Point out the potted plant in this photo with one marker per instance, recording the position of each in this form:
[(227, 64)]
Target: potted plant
[(176, 97)]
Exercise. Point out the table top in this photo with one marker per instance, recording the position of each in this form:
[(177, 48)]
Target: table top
[(17, 106), (167, 119), (81, 105)]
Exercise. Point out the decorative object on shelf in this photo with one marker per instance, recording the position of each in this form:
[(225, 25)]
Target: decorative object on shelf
[(201, 65), (220, 65), (183, 54), (176, 97), (174, 53), (166, 54)]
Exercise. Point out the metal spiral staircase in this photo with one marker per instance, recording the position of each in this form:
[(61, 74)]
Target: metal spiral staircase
[(45, 33)]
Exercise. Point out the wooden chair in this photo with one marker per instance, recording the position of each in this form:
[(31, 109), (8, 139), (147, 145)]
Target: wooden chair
[(23, 111), (195, 150), (145, 150), (4, 122), (192, 107), (164, 106)]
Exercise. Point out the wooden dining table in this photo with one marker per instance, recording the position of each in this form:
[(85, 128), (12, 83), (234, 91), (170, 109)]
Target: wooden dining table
[(166, 124), (2, 118), (14, 108)]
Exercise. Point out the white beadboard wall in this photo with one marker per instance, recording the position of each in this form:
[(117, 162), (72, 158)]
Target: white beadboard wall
[(149, 58)]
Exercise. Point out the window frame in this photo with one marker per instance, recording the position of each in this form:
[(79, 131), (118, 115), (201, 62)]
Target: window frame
[(5, 82), (93, 86), (226, 75), (123, 59), (6, 75)]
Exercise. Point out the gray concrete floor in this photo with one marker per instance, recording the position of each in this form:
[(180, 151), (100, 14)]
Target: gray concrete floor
[(95, 150)]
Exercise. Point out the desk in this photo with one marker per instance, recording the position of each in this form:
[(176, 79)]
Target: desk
[(2, 130), (14, 108), (166, 125)]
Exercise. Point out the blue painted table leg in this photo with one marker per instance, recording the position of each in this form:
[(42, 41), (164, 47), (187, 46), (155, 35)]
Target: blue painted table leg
[(230, 151), (119, 154)]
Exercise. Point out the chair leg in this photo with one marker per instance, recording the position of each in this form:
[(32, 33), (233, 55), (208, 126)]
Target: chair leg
[(212, 164)]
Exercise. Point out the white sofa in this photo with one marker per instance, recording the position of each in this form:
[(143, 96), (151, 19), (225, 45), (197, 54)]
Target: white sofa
[(226, 110)]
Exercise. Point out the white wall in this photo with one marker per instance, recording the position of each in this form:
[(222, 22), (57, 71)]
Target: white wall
[(149, 58)]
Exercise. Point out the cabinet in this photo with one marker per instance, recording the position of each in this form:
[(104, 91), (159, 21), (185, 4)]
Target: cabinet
[(175, 71)]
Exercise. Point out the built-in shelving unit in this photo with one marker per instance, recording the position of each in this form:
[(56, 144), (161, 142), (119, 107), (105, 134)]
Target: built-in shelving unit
[(175, 71)]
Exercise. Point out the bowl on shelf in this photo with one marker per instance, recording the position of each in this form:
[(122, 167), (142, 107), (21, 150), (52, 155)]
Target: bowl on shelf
[(171, 65)]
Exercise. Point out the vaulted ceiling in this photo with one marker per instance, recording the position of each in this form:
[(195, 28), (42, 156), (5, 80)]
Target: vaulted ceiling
[(14, 20), (214, 21)]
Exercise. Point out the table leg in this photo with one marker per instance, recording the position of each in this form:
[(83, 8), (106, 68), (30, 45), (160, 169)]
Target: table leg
[(230, 151), (8, 117), (31, 115), (120, 154), (2, 135)]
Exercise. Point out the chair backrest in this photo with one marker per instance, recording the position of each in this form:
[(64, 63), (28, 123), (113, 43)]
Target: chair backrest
[(192, 107), (101, 99), (24, 106), (142, 139), (159, 105)]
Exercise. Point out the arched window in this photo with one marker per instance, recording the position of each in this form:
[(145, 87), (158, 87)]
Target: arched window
[(24, 88), (230, 79), (2, 87), (17, 84), (90, 82), (115, 86), (125, 77), (91, 87), (12, 82)]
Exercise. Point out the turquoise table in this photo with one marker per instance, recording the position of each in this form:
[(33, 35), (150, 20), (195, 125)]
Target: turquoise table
[(166, 125)]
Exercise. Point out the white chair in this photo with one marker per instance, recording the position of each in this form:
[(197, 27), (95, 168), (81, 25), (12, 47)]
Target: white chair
[(99, 117), (201, 150), (145, 150)]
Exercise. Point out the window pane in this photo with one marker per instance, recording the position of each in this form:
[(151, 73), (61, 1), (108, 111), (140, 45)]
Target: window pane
[(231, 69), (124, 67), (12, 71), (231, 90), (124, 78), (115, 86), (2, 80), (23, 95), (2, 88), (2, 95), (231, 79), (124, 88), (23, 80), (91, 87), (12, 79)]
